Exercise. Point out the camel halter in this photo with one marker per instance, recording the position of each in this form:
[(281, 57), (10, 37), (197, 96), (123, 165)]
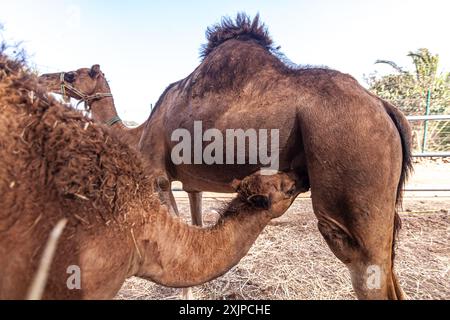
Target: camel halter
[(85, 98)]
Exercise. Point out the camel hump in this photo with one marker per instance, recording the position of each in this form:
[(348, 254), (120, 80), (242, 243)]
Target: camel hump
[(242, 28)]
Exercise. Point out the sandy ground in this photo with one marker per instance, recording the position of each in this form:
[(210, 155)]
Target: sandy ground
[(290, 260)]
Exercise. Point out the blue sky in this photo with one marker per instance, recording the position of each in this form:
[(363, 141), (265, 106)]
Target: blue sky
[(143, 46)]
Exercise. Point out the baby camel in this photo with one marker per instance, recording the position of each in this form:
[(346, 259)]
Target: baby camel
[(55, 163)]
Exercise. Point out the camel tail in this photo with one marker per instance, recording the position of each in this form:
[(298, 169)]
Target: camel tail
[(402, 125)]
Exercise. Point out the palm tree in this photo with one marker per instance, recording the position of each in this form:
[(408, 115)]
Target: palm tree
[(415, 91), (426, 64)]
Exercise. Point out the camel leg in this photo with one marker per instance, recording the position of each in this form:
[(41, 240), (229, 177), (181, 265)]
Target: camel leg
[(173, 208), (366, 249), (164, 188), (354, 189), (195, 201)]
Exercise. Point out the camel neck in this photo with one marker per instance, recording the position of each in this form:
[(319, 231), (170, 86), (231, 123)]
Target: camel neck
[(180, 255), (104, 111)]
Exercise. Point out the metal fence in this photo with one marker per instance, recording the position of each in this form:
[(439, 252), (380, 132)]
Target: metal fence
[(426, 120), (424, 153)]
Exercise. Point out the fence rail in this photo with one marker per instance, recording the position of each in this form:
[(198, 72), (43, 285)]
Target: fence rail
[(425, 154), (432, 155), (425, 118), (425, 188)]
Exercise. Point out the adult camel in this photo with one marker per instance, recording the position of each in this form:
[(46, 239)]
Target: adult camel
[(55, 164), (350, 147)]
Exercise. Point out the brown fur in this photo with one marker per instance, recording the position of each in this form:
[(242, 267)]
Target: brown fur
[(76, 156), (91, 81)]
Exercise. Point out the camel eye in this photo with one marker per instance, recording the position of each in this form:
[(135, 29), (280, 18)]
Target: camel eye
[(292, 191), (69, 77)]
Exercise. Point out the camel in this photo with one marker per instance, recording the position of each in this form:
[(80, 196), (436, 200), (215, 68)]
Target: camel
[(56, 165), (89, 85), (99, 100), (352, 148)]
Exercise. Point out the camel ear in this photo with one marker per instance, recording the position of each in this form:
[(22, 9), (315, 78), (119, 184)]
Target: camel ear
[(235, 184), (95, 71), (259, 201)]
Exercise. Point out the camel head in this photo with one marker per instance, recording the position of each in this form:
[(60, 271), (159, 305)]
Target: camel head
[(80, 84), (274, 193)]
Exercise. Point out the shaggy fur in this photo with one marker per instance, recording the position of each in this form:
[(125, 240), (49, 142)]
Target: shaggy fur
[(58, 147), (243, 28)]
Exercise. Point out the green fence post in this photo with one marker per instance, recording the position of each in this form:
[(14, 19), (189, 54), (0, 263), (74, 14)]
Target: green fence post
[(425, 129)]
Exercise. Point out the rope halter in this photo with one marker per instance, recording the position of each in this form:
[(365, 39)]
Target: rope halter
[(85, 98), (65, 87)]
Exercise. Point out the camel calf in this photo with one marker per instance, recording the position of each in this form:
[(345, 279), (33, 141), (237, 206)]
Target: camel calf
[(56, 164)]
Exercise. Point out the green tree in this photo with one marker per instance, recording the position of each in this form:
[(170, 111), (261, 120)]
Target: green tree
[(411, 90)]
